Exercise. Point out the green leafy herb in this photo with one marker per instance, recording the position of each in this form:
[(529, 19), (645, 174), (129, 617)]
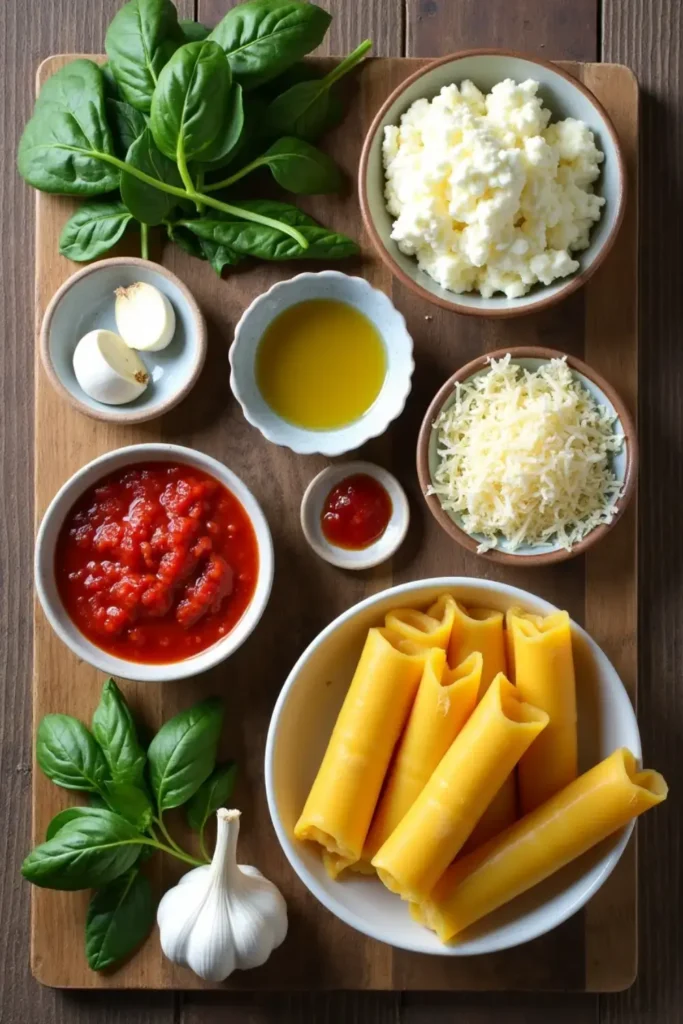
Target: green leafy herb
[(182, 754), (68, 754), (308, 108), (114, 729), (111, 89), (59, 149), (227, 141), (127, 124), (131, 802), (193, 31), (70, 814), (141, 39), (93, 229), (87, 852), (120, 917), (145, 202), (262, 38), (301, 168), (211, 795)]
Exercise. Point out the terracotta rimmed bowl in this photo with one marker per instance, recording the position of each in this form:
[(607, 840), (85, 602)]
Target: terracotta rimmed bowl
[(624, 463), (564, 96), (86, 302)]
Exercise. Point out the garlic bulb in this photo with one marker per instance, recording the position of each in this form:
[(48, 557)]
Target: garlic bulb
[(222, 916)]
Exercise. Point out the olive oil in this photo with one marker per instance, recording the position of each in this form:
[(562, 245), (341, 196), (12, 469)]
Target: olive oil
[(320, 364)]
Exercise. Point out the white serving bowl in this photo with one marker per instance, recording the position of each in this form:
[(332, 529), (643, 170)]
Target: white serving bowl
[(391, 326), (300, 728), (374, 554), (46, 585)]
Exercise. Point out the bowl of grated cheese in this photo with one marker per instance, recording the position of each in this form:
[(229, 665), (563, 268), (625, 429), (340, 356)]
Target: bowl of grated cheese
[(527, 455)]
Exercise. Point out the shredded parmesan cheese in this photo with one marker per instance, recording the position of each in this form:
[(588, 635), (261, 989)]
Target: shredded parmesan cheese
[(526, 457)]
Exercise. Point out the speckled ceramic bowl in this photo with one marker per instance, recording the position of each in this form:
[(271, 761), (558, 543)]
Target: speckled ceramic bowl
[(564, 96)]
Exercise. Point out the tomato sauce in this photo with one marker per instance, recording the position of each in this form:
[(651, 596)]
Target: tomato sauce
[(356, 512), (156, 562)]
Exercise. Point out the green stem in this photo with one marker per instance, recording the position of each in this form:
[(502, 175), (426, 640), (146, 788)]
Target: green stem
[(260, 161), (181, 193), (168, 849), (200, 188), (186, 176), (167, 835), (355, 57), (144, 240), (202, 846)]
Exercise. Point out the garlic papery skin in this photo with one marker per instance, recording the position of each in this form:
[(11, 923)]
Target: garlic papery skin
[(145, 318), (224, 916)]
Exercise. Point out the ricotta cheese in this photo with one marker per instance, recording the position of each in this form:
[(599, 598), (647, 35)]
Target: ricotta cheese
[(486, 194), (525, 456)]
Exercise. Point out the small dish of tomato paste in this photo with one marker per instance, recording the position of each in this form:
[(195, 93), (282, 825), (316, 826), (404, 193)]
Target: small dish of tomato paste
[(156, 562), (355, 515)]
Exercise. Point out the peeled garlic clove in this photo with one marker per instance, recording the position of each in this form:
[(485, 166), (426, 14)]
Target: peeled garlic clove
[(144, 317), (108, 370)]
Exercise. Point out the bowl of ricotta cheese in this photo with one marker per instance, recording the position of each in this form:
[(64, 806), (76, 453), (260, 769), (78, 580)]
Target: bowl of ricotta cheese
[(492, 183)]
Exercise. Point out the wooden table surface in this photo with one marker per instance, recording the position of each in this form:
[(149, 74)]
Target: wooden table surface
[(648, 36)]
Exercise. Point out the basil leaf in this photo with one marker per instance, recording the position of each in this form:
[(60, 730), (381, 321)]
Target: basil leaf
[(193, 31), (182, 754), (68, 754), (146, 203), (70, 814), (59, 148), (265, 243), (226, 142), (92, 230), (131, 802), (141, 39), (114, 730), (189, 102), (262, 38), (127, 124), (120, 917), (85, 854), (211, 795), (301, 168)]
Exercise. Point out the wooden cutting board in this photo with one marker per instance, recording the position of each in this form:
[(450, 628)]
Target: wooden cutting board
[(594, 951)]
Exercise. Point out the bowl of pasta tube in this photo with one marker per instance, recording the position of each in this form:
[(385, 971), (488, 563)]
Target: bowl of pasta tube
[(453, 767)]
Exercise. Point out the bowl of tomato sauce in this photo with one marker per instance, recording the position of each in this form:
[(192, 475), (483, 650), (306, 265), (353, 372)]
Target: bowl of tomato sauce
[(154, 562)]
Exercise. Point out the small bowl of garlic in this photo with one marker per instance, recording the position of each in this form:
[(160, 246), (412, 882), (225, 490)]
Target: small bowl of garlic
[(123, 340)]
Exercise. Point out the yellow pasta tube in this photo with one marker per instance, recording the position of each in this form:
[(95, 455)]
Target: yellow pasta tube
[(426, 629), (478, 629), (445, 700), (544, 676), (463, 784), (588, 810), (341, 802)]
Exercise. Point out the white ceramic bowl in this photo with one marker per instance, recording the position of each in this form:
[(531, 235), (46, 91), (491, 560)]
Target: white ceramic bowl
[(383, 548), (46, 585), (391, 326), (300, 728), (565, 97)]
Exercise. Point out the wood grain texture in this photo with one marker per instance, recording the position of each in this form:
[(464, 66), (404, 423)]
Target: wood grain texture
[(647, 35), (210, 420)]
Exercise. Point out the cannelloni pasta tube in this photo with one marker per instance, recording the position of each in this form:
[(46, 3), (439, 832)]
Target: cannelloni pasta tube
[(427, 629), (445, 700), (588, 810), (463, 784), (478, 629), (544, 676), (341, 802)]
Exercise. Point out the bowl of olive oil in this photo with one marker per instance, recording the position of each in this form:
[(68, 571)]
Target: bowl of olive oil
[(321, 363)]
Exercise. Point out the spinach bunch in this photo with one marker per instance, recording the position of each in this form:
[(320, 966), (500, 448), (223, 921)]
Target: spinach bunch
[(102, 846), (176, 117)]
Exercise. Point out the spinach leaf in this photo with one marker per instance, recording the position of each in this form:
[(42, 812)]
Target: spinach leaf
[(131, 802), (189, 102), (70, 814), (93, 229), (230, 135), (68, 754), (262, 38), (307, 109), (301, 168), (211, 795), (59, 148), (86, 853), (219, 256), (111, 89), (265, 243), (182, 754), (185, 240), (193, 31), (145, 202), (127, 125), (141, 39), (114, 730), (120, 917)]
